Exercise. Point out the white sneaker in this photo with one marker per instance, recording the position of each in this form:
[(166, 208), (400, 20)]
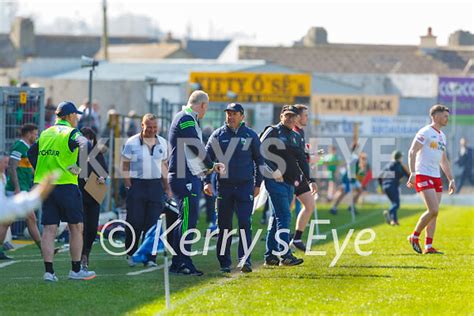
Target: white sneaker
[(130, 262), (82, 275), (151, 264), (50, 277)]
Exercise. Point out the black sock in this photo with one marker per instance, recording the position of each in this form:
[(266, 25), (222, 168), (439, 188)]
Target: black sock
[(76, 266), (298, 235), (48, 266)]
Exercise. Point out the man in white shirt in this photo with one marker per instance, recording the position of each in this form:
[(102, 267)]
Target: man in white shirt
[(145, 165), (426, 155)]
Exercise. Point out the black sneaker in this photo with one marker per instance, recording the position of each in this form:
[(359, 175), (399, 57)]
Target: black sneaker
[(189, 271), (247, 268), (173, 268), (272, 261), (298, 244), (333, 211), (225, 269), (291, 261), (3, 256)]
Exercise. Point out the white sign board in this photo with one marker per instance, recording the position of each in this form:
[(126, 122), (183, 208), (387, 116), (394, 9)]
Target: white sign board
[(375, 126)]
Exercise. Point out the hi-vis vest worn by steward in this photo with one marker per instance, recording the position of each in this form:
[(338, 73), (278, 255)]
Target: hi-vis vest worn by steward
[(54, 154)]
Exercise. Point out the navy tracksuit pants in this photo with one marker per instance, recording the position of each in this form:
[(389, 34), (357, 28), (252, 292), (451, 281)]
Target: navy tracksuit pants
[(230, 199), (187, 193), (393, 195), (144, 207)]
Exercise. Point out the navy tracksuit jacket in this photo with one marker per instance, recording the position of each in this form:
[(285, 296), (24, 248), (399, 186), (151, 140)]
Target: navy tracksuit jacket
[(235, 189)]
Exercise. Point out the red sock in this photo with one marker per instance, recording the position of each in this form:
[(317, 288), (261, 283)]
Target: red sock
[(416, 234), (428, 241)]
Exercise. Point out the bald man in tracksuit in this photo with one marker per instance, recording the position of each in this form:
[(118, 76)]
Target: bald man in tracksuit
[(187, 165)]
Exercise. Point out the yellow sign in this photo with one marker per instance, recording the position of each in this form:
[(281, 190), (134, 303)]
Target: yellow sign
[(254, 87), (23, 96), (355, 104)]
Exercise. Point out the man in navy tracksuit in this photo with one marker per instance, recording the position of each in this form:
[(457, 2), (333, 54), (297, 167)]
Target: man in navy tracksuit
[(188, 163), (389, 180), (241, 183)]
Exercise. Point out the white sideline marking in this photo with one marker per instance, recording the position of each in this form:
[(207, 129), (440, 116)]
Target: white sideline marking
[(146, 270), (6, 264)]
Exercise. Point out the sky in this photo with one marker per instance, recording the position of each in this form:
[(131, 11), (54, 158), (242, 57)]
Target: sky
[(277, 22)]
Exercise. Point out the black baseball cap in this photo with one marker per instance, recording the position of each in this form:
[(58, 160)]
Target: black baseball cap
[(66, 108), (290, 109), (235, 107)]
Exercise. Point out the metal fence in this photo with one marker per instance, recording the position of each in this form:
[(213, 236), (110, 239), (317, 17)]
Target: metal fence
[(19, 106)]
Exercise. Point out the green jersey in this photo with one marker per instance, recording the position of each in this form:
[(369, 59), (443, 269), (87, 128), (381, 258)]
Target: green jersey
[(24, 170)]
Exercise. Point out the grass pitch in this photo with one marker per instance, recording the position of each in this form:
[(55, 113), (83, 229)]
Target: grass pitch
[(392, 280)]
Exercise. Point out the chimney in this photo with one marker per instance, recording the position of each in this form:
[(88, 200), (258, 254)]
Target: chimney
[(22, 35), (428, 40), (315, 36), (169, 39)]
